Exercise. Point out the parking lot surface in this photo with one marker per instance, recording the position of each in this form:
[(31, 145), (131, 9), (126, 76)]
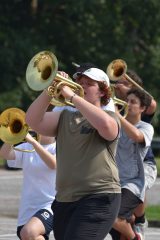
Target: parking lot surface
[(10, 188)]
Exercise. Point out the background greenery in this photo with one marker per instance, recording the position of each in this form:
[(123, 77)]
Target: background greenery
[(153, 214), (95, 31)]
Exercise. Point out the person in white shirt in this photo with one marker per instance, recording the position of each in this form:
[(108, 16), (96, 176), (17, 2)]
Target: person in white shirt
[(35, 217)]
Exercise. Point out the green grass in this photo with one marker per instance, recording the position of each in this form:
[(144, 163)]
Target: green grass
[(153, 213), (158, 165), (2, 162)]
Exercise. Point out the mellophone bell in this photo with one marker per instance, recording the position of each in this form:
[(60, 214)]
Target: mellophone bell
[(42, 72), (13, 128), (115, 71)]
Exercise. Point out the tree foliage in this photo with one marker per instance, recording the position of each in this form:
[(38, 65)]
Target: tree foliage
[(95, 31)]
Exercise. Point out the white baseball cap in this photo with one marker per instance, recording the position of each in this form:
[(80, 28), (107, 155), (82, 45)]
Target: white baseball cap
[(83, 67), (97, 75)]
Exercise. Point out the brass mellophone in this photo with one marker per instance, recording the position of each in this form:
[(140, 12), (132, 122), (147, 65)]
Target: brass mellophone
[(13, 128), (42, 72)]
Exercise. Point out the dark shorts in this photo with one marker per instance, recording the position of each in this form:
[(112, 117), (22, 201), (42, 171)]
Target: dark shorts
[(46, 218), (89, 218), (129, 202)]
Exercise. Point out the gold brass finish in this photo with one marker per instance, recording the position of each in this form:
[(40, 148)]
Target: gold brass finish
[(117, 69), (122, 105), (57, 98), (13, 128), (42, 72)]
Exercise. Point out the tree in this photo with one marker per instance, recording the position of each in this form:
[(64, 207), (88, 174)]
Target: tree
[(79, 31)]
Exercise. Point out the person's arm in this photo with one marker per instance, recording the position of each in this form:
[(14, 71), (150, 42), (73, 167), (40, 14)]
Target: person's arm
[(7, 152), (152, 108), (132, 132), (46, 123), (100, 120), (39, 120), (46, 156)]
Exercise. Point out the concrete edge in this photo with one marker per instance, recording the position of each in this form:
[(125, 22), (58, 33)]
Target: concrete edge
[(154, 223)]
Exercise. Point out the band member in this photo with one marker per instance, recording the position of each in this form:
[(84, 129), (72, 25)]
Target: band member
[(88, 189), (35, 217), (133, 145), (121, 89), (79, 71)]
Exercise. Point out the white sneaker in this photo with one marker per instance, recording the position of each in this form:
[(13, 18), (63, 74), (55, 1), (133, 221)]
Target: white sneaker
[(140, 228), (139, 235)]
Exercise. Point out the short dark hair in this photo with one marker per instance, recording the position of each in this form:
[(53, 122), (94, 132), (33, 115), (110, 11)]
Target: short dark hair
[(145, 99), (132, 74)]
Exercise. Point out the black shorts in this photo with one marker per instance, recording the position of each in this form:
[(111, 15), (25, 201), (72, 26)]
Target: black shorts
[(89, 218), (46, 218), (129, 201)]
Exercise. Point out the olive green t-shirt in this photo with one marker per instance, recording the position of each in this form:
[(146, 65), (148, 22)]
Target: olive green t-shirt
[(85, 161)]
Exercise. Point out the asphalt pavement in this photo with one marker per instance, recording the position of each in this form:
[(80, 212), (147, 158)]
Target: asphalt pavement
[(8, 231), (10, 188)]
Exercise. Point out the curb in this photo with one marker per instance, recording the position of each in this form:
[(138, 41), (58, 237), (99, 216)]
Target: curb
[(154, 223)]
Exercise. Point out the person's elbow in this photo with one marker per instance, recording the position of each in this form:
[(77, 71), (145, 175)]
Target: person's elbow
[(30, 121), (138, 137), (53, 166), (152, 108), (110, 131)]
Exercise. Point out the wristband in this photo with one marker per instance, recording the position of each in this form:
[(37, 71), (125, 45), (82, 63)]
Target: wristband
[(71, 99)]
